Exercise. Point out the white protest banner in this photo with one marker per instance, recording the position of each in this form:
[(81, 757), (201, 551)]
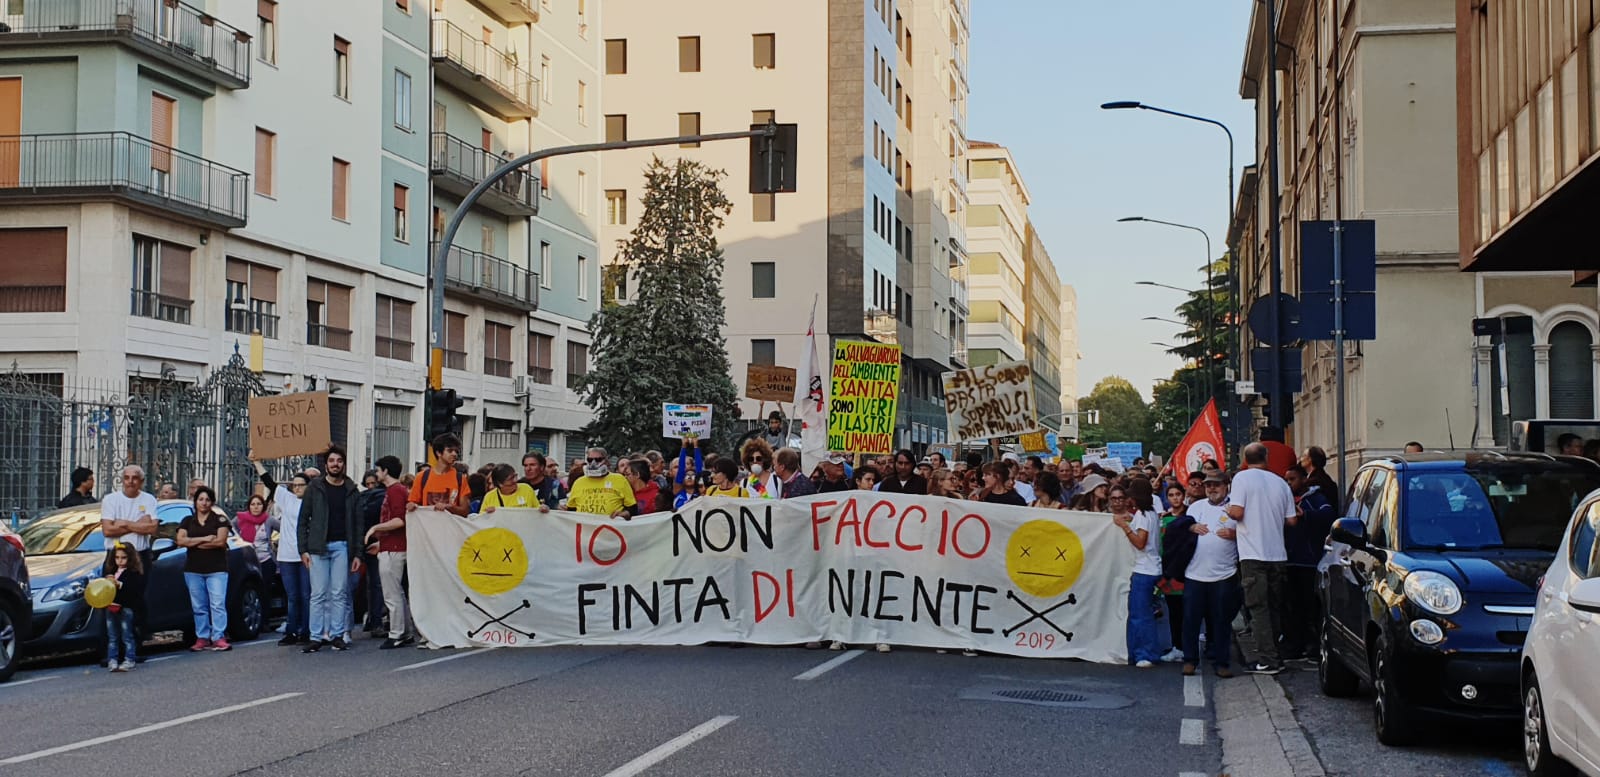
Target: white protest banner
[(995, 400), (859, 567), (680, 422)]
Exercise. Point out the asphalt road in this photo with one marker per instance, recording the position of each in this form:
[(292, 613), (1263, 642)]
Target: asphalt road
[(600, 712)]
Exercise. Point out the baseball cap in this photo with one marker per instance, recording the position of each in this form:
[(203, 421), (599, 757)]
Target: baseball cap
[(838, 458), (1215, 477), (1009, 456)]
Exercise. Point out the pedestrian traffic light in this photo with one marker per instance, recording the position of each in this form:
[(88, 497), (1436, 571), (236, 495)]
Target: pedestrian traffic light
[(772, 158), (441, 408)]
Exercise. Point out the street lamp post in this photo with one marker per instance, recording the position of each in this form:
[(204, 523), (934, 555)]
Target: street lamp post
[(1233, 256), (1211, 307), (1188, 398)]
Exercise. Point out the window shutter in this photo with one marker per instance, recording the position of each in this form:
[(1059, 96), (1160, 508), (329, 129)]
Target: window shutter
[(764, 54), (267, 9), (689, 55), (174, 271), (238, 271), (341, 182), (263, 283), (338, 306), (401, 327), (264, 143), (455, 331), (400, 197), (33, 257), (1571, 371), (385, 324), (161, 111), (341, 45)]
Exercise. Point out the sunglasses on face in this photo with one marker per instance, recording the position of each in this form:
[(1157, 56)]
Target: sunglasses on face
[(596, 459)]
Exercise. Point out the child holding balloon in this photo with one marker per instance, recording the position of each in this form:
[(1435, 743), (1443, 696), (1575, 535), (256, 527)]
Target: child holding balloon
[(125, 573)]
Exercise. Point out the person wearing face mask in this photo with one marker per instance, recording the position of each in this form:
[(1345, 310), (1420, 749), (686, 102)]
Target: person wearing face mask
[(763, 483), (599, 491)]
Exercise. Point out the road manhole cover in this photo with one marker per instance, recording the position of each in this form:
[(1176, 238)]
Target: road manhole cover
[(1048, 697)]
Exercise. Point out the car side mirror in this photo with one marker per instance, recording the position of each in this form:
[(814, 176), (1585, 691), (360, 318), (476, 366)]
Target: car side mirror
[(1586, 596), (162, 545), (1350, 531)]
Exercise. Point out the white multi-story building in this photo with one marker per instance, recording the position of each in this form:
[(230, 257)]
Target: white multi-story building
[(996, 225), (867, 239)]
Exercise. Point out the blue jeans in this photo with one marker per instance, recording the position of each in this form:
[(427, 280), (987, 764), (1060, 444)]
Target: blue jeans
[(297, 597), (1143, 642), (330, 585), (1216, 604), (208, 598), (119, 634)]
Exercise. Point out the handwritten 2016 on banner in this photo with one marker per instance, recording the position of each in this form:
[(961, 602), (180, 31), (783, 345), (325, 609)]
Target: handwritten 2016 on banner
[(866, 389), (995, 400)]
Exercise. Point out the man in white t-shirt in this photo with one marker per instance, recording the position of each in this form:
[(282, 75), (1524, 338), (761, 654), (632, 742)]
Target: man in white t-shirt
[(129, 516), (1211, 581), (1262, 504)]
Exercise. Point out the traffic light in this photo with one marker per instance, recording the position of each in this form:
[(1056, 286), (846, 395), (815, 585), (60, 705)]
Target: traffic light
[(772, 159), (441, 406)]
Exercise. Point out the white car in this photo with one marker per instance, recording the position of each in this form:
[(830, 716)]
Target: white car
[(1560, 684)]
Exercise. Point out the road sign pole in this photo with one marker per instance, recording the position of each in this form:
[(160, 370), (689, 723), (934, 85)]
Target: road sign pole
[(1338, 349)]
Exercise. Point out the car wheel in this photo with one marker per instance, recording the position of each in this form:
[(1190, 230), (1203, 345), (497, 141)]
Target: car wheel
[(247, 615), (10, 643), (1333, 676), (1536, 753), (1391, 713)]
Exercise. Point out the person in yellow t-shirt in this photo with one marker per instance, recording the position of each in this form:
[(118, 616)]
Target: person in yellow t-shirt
[(601, 491), (725, 480), (510, 492)]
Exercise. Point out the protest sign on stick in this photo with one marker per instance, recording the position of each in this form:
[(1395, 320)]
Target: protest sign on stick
[(682, 422), (290, 425), (769, 383), (866, 390), (995, 400)]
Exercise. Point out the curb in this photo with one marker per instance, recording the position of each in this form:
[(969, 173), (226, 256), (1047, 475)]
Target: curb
[(1259, 733)]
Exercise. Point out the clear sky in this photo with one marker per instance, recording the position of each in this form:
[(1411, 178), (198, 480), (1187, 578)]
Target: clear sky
[(1039, 71)]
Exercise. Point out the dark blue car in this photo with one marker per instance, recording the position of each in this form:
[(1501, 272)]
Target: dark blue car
[(1434, 596)]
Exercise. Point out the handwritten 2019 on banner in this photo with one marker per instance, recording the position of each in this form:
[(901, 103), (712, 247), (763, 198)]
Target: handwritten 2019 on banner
[(858, 567), (866, 389), (995, 400)]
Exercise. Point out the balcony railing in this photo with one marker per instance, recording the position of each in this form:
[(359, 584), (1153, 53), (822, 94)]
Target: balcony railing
[(514, 11), (493, 76), (150, 304), (542, 375), (457, 166), (33, 299), (500, 368), (250, 321), (493, 279), (455, 360), (393, 348), (328, 336), (118, 165), (174, 32)]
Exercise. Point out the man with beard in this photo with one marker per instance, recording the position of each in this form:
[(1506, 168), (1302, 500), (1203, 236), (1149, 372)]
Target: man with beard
[(329, 522), (601, 491)]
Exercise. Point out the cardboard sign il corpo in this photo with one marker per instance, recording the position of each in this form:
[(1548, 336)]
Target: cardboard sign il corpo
[(769, 383), (290, 425)]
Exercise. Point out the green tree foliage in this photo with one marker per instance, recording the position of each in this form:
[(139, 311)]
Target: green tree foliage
[(666, 345), (1123, 414), (1176, 402)]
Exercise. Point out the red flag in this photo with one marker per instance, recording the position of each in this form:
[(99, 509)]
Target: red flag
[(1204, 441)]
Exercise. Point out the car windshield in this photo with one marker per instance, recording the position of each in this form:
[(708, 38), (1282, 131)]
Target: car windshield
[(1492, 507), (73, 532)]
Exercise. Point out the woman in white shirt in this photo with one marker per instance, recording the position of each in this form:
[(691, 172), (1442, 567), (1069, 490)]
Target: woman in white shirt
[(1133, 511)]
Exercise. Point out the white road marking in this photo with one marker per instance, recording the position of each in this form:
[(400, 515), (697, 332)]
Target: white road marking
[(1192, 732), (1191, 774), (667, 748), (253, 643), (1194, 691), (15, 683), (133, 732), (828, 666), (159, 659), (441, 659)]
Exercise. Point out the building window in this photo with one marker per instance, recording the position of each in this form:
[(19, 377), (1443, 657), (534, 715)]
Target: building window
[(763, 117), (616, 206), (763, 207), (540, 364), (455, 341), (583, 277), (327, 314), (688, 124), (544, 265), (437, 230), (393, 332), (341, 189), (402, 213), (764, 280), (577, 362), (252, 299), (402, 100), (341, 68), (267, 31), (617, 57), (33, 270), (689, 54), (496, 350), (1571, 371), (544, 178), (546, 86), (583, 193), (616, 128), (391, 431), (763, 351), (765, 50), (266, 161), (161, 280), (583, 103)]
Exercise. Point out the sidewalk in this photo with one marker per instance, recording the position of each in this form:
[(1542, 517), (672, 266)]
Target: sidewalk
[(1259, 733)]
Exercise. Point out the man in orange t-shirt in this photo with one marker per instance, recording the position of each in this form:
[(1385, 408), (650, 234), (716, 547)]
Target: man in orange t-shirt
[(441, 486)]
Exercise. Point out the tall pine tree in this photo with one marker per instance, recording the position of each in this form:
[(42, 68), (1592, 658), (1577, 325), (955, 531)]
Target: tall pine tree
[(666, 345)]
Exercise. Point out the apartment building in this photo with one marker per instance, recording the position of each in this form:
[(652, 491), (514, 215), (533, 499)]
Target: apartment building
[(1069, 361), (1043, 346), (872, 235), (177, 179), (1366, 106), (998, 255)]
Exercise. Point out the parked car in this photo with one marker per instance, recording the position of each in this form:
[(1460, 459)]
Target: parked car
[(1560, 687), (16, 607), (66, 551), (1433, 599)]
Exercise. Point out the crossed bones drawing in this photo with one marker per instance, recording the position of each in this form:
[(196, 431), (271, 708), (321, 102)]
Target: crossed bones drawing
[(500, 620), (1039, 615)]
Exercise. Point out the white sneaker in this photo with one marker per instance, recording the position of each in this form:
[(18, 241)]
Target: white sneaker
[(127, 665), (836, 645), (883, 647), (1144, 664), (115, 667), (1173, 656), (969, 652)]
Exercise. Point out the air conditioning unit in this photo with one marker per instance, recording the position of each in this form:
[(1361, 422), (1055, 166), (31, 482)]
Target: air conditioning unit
[(519, 385)]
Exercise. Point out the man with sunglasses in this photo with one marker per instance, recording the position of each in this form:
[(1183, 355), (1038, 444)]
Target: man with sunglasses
[(903, 478), (601, 491)]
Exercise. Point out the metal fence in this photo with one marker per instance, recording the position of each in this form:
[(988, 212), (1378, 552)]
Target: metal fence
[(176, 430)]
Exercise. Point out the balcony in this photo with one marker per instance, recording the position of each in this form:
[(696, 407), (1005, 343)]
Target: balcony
[(512, 11), (457, 166), (87, 166), (150, 304), (328, 336), (483, 72), (490, 278), (175, 33), (247, 322)]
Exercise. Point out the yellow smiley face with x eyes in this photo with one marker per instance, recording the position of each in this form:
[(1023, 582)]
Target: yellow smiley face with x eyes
[(492, 561), (1044, 558)]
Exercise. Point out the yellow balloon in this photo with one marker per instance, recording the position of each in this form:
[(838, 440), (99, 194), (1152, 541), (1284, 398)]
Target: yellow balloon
[(99, 592)]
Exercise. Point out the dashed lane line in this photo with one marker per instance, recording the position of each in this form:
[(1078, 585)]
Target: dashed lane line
[(133, 732), (829, 665), (1194, 691), (665, 750), (441, 659)]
